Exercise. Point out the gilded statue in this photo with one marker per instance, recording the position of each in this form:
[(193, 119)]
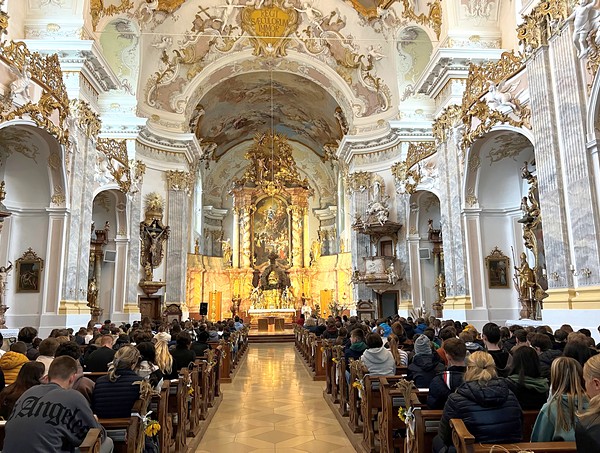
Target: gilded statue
[(227, 251), (92, 293), (526, 278), (153, 236)]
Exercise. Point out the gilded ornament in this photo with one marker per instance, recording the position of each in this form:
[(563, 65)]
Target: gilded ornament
[(479, 78), (406, 177), (432, 19), (178, 180), (45, 71), (272, 166), (128, 174), (542, 23), (98, 10), (358, 181), (3, 19), (269, 27), (447, 120), (58, 197), (87, 119), (471, 199)]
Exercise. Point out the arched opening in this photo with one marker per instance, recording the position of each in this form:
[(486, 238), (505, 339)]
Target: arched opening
[(497, 202), (425, 252), (32, 170)]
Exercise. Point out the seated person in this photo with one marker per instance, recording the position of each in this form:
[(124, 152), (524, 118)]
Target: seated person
[(543, 346), (446, 382), (182, 354), (490, 411), (98, 360), (200, 346), (425, 364), (32, 426), (29, 376), (355, 350), (491, 340), (378, 360), (525, 378), (587, 425), (115, 394), (556, 420), (12, 361)]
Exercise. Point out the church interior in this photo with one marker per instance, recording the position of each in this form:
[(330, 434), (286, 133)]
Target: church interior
[(272, 159), (413, 157)]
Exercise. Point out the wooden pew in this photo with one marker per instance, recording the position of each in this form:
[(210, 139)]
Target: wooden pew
[(133, 427), (427, 422), (94, 375), (465, 442), (357, 372), (388, 419), (316, 359), (337, 354), (327, 359), (343, 386), (178, 407), (194, 400), (162, 416)]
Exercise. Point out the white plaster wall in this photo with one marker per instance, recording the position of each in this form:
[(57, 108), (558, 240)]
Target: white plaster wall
[(26, 230), (497, 230)]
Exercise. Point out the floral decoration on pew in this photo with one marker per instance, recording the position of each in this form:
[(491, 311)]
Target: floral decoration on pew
[(405, 413)]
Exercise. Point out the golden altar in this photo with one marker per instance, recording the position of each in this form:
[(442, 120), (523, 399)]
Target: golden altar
[(287, 314)]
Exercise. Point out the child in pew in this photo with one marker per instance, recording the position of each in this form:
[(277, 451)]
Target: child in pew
[(446, 382), (556, 420)]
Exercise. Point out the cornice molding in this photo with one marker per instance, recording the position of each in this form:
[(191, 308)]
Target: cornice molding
[(183, 144)]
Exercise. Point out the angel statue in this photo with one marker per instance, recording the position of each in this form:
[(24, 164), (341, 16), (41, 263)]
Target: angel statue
[(584, 18), (502, 96)]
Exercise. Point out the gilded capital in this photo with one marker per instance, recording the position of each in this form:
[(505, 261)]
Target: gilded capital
[(87, 119), (178, 180)]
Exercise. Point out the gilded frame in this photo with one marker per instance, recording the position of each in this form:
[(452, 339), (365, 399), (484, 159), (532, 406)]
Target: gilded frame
[(29, 272), (497, 265)]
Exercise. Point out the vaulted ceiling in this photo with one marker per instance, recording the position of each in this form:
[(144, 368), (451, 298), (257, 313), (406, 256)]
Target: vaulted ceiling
[(268, 101)]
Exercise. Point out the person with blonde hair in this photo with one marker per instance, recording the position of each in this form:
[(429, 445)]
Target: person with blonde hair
[(556, 420), (490, 411), (163, 358), (115, 393), (587, 425)]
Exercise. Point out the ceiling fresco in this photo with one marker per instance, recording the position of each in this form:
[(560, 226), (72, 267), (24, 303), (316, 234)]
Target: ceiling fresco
[(262, 101)]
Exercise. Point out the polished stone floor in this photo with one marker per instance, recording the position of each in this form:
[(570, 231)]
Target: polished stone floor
[(273, 405)]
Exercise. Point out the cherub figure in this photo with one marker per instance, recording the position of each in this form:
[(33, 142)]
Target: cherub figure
[(584, 16)]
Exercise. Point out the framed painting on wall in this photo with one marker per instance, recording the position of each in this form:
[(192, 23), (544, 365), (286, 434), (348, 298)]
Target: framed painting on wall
[(497, 266), (29, 272)]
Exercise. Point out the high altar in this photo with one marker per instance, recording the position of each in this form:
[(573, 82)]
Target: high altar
[(265, 269)]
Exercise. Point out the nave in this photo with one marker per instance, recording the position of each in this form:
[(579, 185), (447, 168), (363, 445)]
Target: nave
[(273, 405)]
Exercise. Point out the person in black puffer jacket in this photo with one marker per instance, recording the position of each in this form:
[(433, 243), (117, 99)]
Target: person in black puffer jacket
[(115, 394), (490, 411), (425, 364), (543, 345)]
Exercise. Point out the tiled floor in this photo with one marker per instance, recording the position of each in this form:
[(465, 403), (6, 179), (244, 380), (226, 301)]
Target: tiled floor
[(273, 405)]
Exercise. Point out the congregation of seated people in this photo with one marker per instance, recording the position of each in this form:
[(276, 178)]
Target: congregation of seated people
[(485, 378), (54, 370)]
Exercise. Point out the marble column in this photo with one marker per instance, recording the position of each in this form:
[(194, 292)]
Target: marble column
[(134, 208), (119, 287), (246, 246), (402, 255), (236, 238), (452, 223), (296, 217), (550, 177), (580, 202), (81, 191), (179, 185)]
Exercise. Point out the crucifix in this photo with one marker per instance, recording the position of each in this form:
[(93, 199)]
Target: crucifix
[(205, 11)]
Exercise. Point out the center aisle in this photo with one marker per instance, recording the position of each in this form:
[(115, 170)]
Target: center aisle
[(273, 405)]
